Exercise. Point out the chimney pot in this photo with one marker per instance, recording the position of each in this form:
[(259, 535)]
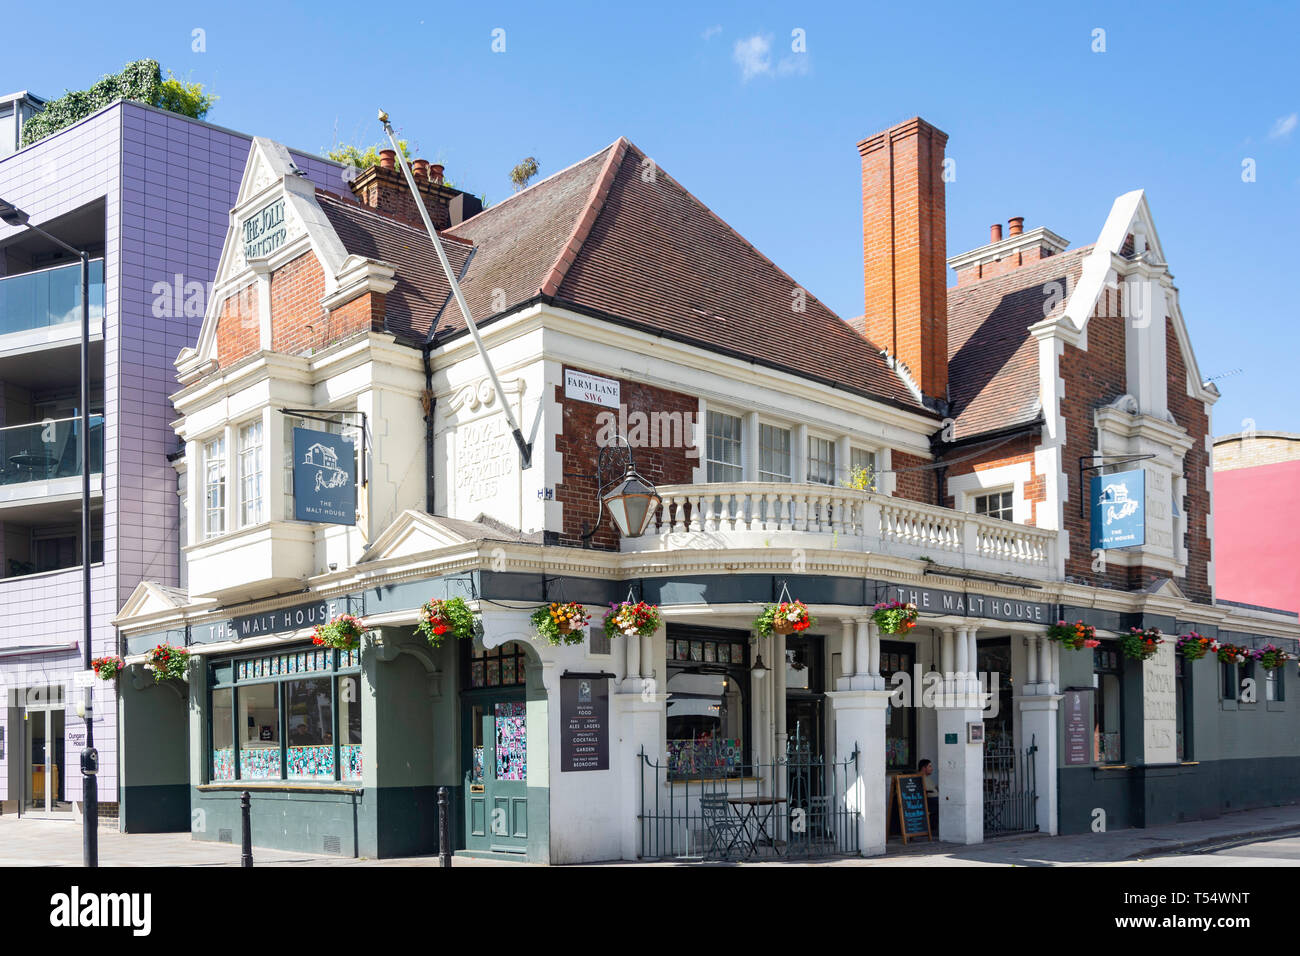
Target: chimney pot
[(995, 232), (387, 158), (421, 170), (1016, 224), (435, 174)]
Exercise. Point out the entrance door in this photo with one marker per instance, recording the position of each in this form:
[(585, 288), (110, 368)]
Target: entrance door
[(496, 785), (45, 778)]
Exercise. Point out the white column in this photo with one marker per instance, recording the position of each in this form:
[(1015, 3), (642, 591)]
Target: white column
[(961, 776), (1031, 663), (1045, 666), (649, 652), (963, 648), (946, 661), (632, 666), (799, 454), (1038, 726), (860, 723), (847, 641), (749, 447), (1056, 668), (972, 655), (863, 642), (877, 679), (778, 705)]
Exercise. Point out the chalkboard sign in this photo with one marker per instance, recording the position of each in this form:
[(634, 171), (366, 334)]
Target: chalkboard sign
[(584, 717), (913, 809), (1077, 707)]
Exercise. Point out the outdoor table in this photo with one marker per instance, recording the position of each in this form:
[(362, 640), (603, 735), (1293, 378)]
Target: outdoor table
[(32, 461), (748, 809)]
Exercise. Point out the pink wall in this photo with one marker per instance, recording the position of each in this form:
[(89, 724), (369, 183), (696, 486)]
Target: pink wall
[(1257, 535)]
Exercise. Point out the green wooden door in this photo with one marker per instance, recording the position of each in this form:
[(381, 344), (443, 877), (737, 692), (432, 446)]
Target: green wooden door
[(496, 783)]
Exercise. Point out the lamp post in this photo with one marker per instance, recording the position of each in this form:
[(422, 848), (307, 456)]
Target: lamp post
[(13, 216)]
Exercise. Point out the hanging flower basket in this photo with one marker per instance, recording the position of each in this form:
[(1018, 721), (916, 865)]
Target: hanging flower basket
[(343, 633), (1232, 654), (783, 618), (168, 663), (893, 617), (106, 668), (1193, 646), (1076, 636), (561, 623), (1272, 657), (631, 619), (439, 619), (1141, 644)]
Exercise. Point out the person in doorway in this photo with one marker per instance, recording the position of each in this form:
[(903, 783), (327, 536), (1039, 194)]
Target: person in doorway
[(926, 769)]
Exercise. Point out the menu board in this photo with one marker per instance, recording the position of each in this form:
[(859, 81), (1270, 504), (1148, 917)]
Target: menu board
[(913, 811), (584, 718), (1078, 733)]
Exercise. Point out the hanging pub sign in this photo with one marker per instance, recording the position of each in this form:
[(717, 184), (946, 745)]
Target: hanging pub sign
[(324, 477), (264, 231), (1119, 509)]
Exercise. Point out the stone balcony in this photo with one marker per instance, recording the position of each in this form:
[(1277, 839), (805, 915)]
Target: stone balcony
[(812, 516)]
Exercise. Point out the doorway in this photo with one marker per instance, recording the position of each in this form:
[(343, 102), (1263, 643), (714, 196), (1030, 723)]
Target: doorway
[(45, 770), (495, 750)]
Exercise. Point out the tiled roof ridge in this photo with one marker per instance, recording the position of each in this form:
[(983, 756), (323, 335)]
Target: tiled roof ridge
[(416, 231), (582, 227)]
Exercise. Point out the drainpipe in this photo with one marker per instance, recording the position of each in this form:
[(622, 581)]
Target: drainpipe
[(430, 403)]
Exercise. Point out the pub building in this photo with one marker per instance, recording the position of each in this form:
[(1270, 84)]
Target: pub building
[(347, 448)]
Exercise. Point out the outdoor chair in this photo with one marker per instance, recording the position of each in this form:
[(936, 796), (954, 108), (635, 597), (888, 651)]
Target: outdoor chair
[(724, 828)]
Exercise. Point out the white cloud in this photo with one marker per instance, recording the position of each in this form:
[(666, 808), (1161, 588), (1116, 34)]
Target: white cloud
[(712, 31), (794, 64), (1284, 126), (754, 54)]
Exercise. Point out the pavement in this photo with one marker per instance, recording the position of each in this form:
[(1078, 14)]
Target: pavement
[(28, 841)]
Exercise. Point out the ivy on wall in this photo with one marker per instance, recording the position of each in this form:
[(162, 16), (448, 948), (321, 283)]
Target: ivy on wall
[(141, 81)]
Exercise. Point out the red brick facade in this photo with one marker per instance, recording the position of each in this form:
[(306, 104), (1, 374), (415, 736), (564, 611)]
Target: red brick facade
[(299, 323), (1002, 266), (914, 477), (1017, 451), (1189, 412), (664, 463)]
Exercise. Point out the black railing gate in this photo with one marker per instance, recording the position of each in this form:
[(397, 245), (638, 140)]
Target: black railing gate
[(1010, 797)]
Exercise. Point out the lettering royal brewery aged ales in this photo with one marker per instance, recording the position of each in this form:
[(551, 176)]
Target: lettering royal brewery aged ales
[(264, 231)]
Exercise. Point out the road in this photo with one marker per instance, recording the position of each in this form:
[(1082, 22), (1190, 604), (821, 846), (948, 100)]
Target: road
[(1278, 851)]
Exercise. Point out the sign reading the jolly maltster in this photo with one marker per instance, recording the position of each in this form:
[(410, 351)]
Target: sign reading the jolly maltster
[(584, 720), (324, 477), (265, 231), (1119, 509)]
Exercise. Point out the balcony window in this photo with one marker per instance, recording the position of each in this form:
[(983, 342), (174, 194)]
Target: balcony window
[(773, 453), (250, 474), (214, 486), (38, 300), (862, 469), (49, 449), (821, 461), (724, 448), (996, 504)]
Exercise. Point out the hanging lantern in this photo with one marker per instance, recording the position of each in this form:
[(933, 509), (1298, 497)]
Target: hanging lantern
[(631, 502)]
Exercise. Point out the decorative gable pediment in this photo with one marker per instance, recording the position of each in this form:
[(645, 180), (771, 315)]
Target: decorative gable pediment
[(413, 533)]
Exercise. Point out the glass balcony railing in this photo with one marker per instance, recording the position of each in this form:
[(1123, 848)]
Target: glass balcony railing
[(47, 450), (38, 300)]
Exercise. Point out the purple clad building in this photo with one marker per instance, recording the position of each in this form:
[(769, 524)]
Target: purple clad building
[(148, 194)]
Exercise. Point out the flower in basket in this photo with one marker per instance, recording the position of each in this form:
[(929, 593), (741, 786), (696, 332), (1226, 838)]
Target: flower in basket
[(561, 623), (1076, 636), (1193, 646), (1271, 657), (441, 618), (106, 668), (343, 633), (168, 663), (1231, 653), (894, 617), (1139, 643), (784, 618), (630, 619)]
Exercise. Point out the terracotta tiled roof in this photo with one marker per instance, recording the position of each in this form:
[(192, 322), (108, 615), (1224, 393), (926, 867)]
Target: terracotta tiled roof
[(598, 238), (992, 358), (422, 289)]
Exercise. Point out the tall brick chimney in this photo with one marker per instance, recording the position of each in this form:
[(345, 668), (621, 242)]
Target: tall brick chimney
[(904, 250), (384, 189)]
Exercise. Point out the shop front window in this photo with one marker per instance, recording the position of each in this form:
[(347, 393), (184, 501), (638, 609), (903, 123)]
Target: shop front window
[(708, 704), (310, 715), (223, 734), (1108, 678), (349, 698), (259, 732), (896, 660)]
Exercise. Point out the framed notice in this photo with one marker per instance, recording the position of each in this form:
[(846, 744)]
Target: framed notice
[(584, 723), (1076, 706)]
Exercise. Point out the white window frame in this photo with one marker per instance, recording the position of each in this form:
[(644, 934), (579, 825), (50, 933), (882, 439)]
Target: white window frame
[(246, 499), (209, 512), (965, 488), (832, 444), (1009, 509), (775, 476), (854, 451), (739, 444)]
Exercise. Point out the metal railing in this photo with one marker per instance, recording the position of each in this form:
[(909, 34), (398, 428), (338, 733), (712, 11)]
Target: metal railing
[(46, 450), (794, 807), (38, 300), (846, 518), (1010, 791)]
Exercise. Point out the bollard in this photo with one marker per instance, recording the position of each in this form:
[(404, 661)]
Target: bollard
[(245, 803), (444, 829)]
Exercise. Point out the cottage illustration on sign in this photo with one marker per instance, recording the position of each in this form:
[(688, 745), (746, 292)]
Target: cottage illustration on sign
[(1116, 503), (326, 462)]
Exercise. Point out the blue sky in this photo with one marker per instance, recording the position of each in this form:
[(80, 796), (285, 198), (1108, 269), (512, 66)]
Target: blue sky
[(1039, 124)]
